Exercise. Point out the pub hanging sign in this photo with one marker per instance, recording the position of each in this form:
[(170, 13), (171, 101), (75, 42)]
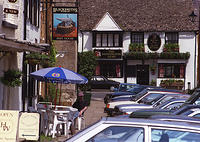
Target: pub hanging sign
[(65, 23), (108, 54)]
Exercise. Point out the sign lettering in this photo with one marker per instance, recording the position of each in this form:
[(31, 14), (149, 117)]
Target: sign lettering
[(11, 11), (12, 1), (108, 54)]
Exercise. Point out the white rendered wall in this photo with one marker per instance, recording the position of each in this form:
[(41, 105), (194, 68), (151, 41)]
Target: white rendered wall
[(13, 96), (126, 41), (186, 44), (84, 41)]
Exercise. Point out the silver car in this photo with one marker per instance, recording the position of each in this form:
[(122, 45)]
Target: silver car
[(173, 101), (138, 130)]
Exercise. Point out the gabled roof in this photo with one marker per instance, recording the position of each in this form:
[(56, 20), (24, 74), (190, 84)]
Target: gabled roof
[(107, 23), (139, 15)]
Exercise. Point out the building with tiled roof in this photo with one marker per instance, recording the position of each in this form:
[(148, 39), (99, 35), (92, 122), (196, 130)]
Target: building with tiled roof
[(141, 42)]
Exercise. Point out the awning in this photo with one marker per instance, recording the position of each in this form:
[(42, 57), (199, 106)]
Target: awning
[(19, 46)]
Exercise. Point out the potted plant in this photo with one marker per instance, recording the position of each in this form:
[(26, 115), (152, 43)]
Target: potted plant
[(153, 82), (153, 69)]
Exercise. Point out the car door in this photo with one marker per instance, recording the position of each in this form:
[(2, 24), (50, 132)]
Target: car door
[(100, 82)]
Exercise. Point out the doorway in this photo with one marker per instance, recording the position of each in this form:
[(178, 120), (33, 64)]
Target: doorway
[(143, 74)]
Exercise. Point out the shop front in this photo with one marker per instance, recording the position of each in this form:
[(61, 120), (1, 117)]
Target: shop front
[(109, 63)]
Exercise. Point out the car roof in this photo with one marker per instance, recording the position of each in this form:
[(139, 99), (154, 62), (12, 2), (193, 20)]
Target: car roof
[(128, 84), (146, 113), (185, 108), (118, 121), (177, 118), (163, 90)]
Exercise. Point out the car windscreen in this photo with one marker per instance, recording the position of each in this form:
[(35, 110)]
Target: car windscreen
[(136, 89), (126, 87), (151, 98), (139, 95)]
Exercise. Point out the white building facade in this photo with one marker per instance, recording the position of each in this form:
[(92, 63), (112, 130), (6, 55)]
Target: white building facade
[(20, 29)]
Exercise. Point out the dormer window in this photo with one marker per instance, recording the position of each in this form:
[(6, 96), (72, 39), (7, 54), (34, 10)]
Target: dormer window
[(107, 39)]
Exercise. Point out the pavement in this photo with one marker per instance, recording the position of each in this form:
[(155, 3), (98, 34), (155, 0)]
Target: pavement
[(94, 112)]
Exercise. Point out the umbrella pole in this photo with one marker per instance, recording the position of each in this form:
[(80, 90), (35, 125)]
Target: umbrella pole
[(60, 94), (55, 100)]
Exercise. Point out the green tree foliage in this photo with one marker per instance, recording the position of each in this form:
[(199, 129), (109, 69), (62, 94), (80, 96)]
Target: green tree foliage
[(86, 65)]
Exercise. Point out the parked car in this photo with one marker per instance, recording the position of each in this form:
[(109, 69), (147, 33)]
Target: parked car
[(138, 130), (138, 98), (166, 101), (101, 82), (193, 112), (189, 103), (147, 113), (123, 89), (127, 93)]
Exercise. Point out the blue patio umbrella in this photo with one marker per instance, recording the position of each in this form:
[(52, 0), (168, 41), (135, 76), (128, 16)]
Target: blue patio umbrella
[(59, 75)]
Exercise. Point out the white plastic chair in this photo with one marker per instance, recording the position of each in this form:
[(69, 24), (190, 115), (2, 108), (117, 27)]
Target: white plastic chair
[(55, 120), (81, 122)]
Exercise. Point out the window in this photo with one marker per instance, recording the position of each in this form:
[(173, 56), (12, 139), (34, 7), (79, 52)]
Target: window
[(120, 134), (137, 37), (107, 39), (33, 11), (151, 98), (174, 106), (164, 135), (131, 71), (109, 69), (171, 37), (171, 70)]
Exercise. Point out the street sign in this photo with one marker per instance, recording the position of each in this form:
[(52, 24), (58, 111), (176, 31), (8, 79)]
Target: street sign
[(29, 124), (8, 125)]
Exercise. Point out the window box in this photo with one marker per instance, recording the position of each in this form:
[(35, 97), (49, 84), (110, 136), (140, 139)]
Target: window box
[(163, 55), (171, 47), (136, 47), (172, 84)]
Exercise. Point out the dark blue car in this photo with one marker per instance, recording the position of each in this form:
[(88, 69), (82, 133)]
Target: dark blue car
[(125, 89)]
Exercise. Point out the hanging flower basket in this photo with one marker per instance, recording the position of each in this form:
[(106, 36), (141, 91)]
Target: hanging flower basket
[(12, 78), (36, 58)]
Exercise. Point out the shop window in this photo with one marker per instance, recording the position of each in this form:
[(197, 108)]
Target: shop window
[(171, 70), (171, 37), (137, 37), (131, 71), (107, 39), (109, 69)]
